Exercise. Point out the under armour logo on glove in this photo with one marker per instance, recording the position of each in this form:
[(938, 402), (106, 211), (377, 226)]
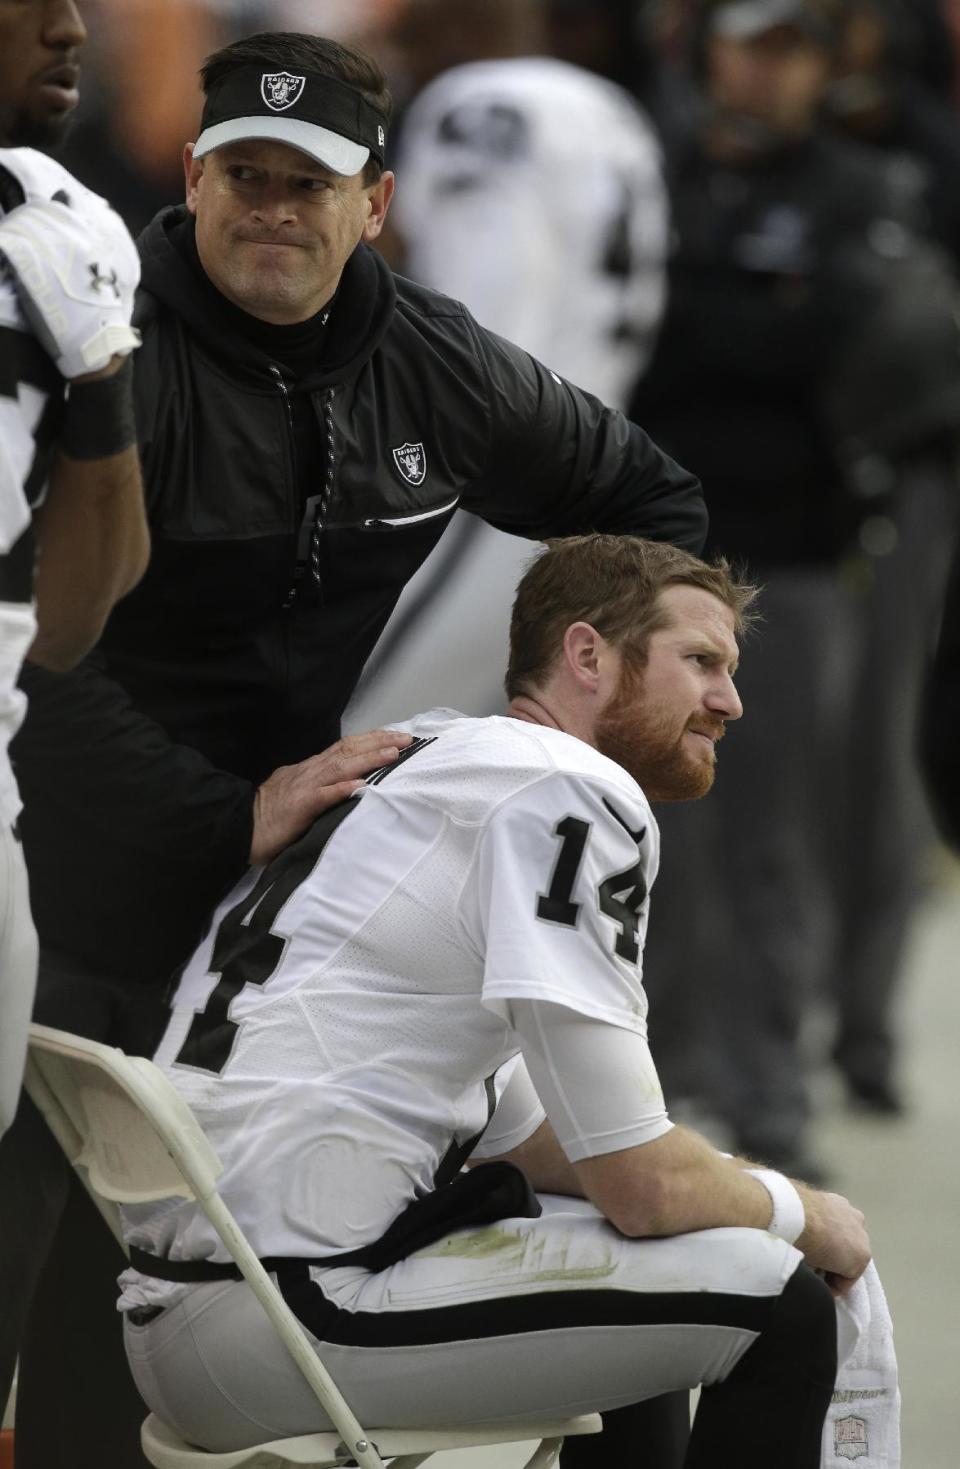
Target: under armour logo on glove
[(97, 280), (79, 309)]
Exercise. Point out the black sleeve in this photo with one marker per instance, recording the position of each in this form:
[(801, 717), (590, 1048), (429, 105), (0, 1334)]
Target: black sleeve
[(130, 839), (561, 463), (940, 718)]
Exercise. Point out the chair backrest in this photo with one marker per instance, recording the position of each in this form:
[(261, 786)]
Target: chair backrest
[(121, 1120), (132, 1131)]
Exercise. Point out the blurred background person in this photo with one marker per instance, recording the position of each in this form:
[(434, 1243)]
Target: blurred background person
[(891, 89), (531, 190), (894, 404), (789, 243)]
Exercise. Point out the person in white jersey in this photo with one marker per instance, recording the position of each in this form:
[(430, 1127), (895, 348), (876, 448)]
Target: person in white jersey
[(73, 535), (447, 968), (531, 190)]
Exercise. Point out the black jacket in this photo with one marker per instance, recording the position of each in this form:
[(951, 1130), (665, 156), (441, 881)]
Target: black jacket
[(778, 269), (138, 771)]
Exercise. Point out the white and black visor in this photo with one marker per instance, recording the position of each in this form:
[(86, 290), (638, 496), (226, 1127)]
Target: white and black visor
[(743, 20), (329, 120)]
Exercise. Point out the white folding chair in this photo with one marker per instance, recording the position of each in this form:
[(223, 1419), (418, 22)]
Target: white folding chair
[(132, 1138)]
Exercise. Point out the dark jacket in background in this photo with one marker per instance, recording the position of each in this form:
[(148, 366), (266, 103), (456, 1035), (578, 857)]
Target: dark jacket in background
[(774, 272), (240, 648)]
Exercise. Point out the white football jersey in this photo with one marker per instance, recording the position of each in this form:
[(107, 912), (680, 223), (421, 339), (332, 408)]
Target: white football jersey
[(532, 191), (31, 398), (342, 1032)]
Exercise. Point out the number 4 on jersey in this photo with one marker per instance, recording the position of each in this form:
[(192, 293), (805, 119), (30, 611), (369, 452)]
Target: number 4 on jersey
[(620, 896)]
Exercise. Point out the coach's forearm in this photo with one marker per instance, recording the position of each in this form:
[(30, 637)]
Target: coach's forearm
[(674, 1184), (93, 547)]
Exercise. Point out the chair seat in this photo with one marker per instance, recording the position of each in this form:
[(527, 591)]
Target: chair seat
[(166, 1450)]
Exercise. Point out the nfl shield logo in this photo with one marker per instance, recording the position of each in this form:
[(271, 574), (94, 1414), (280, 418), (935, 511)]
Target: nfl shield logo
[(411, 460), (850, 1438), (280, 90)]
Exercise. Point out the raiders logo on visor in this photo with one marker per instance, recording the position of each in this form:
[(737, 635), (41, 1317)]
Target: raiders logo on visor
[(328, 119), (280, 90)]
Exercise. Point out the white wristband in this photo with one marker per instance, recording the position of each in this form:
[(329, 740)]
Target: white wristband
[(788, 1219)]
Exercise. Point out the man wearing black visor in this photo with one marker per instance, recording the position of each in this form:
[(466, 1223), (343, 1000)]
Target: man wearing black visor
[(308, 425)]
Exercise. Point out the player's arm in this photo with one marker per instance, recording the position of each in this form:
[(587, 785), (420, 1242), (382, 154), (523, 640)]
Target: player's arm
[(92, 541), (680, 1183), (74, 269), (545, 1163), (599, 1087), (598, 1084), (562, 912), (561, 463), (519, 1133)]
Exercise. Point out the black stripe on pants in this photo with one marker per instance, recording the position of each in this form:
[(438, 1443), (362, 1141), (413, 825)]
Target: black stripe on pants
[(773, 1402)]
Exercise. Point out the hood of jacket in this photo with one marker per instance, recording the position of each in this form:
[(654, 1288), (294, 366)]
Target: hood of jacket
[(363, 308)]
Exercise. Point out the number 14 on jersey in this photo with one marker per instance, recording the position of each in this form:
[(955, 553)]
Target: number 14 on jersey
[(620, 896)]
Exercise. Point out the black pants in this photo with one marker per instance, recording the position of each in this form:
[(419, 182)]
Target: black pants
[(76, 1402), (77, 1407), (772, 1404)]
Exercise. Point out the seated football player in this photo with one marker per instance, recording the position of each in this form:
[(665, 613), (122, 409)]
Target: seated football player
[(446, 970)]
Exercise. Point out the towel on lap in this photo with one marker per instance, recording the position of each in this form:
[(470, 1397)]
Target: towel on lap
[(863, 1421)]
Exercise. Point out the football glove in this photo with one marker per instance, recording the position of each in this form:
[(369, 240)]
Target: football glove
[(75, 270)]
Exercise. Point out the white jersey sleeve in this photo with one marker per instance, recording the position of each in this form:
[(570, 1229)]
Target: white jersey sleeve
[(597, 1082), (559, 901)]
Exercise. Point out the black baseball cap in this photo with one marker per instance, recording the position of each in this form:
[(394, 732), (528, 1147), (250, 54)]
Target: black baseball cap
[(742, 20), (328, 119)]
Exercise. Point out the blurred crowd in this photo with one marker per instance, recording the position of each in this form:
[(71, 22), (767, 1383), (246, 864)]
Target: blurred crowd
[(740, 219)]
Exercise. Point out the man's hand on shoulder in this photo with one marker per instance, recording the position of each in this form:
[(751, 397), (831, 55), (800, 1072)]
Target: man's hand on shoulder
[(75, 270), (295, 795)]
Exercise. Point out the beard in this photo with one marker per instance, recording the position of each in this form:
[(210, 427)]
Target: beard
[(23, 130), (651, 747)]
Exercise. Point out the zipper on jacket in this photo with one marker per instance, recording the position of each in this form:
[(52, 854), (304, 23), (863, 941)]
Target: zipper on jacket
[(323, 499), (292, 440), (323, 503), (383, 522), (284, 395)]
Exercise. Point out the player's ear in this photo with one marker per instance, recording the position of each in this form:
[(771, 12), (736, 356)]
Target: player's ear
[(378, 198), (192, 174), (583, 650)]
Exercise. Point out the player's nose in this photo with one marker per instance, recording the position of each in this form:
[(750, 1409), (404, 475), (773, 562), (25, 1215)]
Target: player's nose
[(723, 698), (63, 26), (274, 206)]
